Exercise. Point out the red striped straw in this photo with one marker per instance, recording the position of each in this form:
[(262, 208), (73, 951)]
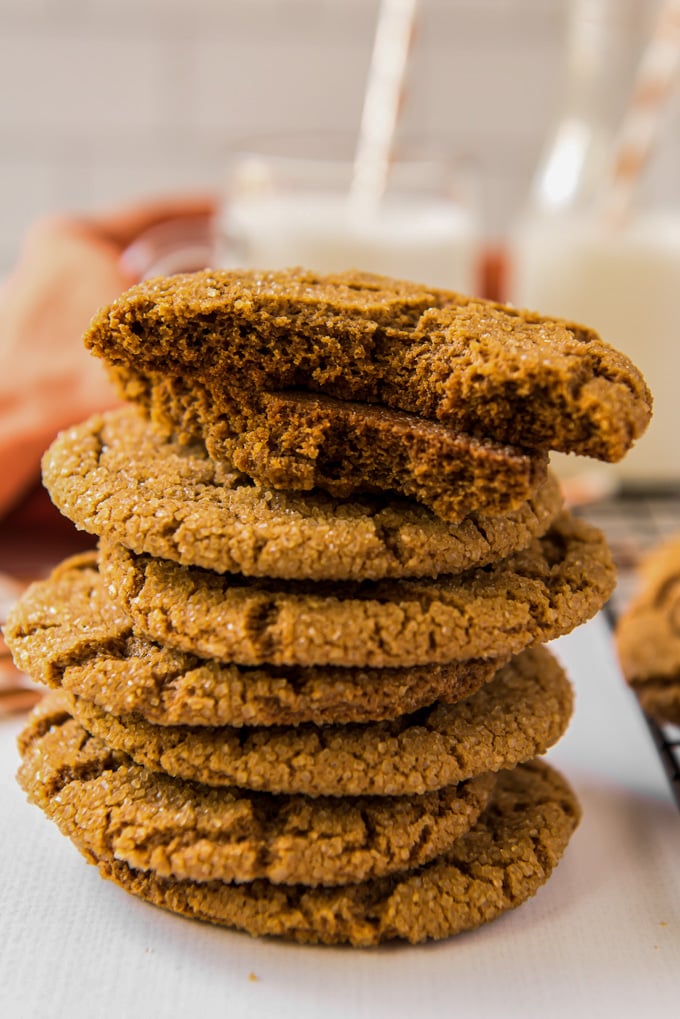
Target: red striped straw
[(656, 77), (382, 103)]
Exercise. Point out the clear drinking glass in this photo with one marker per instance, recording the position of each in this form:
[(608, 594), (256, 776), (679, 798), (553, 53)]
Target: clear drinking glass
[(621, 278), (288, 202)]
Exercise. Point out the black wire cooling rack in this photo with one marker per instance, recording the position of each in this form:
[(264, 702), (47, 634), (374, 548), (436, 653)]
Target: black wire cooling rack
[(635, 521)]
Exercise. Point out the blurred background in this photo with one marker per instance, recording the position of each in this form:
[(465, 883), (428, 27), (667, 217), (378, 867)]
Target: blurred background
[(102, 100), (105, 102)]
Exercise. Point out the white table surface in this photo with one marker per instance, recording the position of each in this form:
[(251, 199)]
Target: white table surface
[(601, 939)]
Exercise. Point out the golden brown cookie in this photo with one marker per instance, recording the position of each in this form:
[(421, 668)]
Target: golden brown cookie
[(559, 581), (648, 635), (498, 865), (276, 370), (517, 715), (65, 632), (114, 810), (114, 476)]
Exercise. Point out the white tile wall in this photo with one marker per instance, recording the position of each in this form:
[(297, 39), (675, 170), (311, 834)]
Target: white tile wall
[(101, 101)]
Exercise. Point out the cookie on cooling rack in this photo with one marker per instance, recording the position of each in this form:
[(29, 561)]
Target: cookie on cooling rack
[(648, 634)]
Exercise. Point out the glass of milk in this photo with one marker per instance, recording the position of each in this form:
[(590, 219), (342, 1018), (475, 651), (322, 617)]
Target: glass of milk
[(288, 203), (620, 275), (625, 283)]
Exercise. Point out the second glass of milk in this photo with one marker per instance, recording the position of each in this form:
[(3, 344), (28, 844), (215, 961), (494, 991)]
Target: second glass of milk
[(619, 274), (625, 283), (288, 203)]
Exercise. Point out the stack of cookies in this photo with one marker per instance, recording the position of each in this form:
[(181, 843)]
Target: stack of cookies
[(301, 687)]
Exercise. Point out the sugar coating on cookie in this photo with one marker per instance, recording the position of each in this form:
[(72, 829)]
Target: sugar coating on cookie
[(114, 476), (559, 581), (65, 632), (519, 714), (648, 634), (498, 865), (115, 810), (206, 348)]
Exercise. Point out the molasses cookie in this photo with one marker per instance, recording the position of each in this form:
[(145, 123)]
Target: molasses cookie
[(559, 581), (65, 632), (648, 635), (114, 810), (519, 714), (114, 476), (498, 865), (276, 370)]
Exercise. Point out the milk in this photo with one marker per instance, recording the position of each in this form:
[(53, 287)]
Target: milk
[(425, 239), (625, 283)]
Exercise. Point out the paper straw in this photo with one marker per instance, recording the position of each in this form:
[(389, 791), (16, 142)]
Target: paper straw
[(654, 83), (382, 103)]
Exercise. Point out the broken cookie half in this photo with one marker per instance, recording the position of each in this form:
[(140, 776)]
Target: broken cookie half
[(355, 382)]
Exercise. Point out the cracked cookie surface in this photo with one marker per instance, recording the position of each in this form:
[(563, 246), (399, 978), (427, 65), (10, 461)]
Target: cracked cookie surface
[(65, 632), (113, 476), (112, 809), (519, 714), (559, 581), (497, 866)]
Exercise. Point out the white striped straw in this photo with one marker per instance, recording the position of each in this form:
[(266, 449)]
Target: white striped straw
[(382, 103), (654, 83)]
